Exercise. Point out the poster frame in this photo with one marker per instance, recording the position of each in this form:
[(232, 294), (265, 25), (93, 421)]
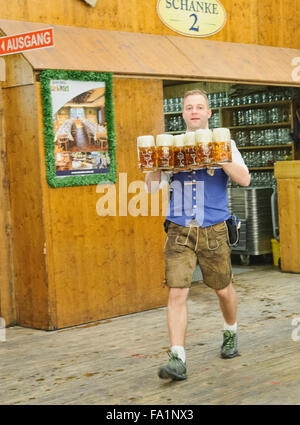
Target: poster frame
[(53, 180)]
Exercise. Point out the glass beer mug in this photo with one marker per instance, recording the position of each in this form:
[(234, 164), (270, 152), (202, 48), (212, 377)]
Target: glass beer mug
[(179, 153), (221, 145), (190, 150), (165, 153), (204, 147), (147, 153)]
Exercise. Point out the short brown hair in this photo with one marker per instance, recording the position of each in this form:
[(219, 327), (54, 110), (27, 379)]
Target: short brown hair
[(194, 92)]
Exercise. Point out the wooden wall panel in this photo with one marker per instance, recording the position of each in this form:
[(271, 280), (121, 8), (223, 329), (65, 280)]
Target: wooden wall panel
[(18, 71), (287, 174), (24, 177), (265, 22), (101, 267), (289, 224), (7, 292)]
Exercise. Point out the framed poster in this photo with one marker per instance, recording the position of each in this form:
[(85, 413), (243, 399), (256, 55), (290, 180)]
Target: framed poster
[(79, 127)]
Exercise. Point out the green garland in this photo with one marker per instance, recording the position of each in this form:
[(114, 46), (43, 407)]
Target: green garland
[(77, 180)]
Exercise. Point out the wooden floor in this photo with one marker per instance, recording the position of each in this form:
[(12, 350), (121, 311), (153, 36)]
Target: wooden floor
[(115, 361)]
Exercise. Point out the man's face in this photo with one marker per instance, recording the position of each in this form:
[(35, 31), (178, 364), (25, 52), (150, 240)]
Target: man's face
[(196, 112)]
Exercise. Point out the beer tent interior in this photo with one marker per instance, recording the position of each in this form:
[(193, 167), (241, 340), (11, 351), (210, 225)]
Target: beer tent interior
[(69, 265)]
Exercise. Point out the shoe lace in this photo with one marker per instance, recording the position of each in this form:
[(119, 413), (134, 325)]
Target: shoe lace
[(174, 360), (173, 356), (228, 339)]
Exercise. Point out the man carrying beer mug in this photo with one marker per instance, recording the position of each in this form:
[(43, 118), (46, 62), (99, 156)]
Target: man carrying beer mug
[(197, 232)]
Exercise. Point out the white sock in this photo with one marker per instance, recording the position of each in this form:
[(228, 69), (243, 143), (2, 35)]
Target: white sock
[(179, 349), (230, 327)]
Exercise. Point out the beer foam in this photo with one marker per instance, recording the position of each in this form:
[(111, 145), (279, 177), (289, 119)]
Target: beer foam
[(189, 138), (145, 141), (179, 140), (221, 134), (164, 140), (203, 136)]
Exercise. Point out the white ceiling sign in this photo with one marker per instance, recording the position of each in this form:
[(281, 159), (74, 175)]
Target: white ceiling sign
[(192, 18)]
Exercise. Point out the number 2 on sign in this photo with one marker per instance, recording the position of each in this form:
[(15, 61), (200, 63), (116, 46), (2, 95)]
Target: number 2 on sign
[(193, 28)]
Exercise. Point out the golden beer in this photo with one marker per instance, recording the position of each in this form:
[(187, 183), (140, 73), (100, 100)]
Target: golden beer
[(165, 151), (221, 145), (204, 147), (179, 153), (147, 155), (190, 150)]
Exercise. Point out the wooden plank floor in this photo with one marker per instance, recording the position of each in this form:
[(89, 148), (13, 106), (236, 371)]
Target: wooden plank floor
[(115, 361)]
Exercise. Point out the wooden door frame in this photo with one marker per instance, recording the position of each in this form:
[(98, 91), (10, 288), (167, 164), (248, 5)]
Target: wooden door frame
[(7, 288)]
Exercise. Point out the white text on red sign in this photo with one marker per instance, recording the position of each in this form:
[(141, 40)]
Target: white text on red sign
[(39, 39)]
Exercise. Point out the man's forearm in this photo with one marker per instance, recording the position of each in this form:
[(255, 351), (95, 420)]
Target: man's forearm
[(237, 173)]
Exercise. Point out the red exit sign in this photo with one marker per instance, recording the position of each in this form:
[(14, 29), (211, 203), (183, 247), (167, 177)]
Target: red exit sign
[(32, 40)]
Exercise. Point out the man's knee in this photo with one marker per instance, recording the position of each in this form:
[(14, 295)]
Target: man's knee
[(225, 292), (178, 295)]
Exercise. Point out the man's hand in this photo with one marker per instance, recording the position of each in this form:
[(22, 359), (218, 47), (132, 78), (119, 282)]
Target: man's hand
[(152, 180)]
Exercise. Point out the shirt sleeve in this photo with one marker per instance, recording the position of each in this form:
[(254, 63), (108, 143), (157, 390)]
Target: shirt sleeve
[(236, 156)]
